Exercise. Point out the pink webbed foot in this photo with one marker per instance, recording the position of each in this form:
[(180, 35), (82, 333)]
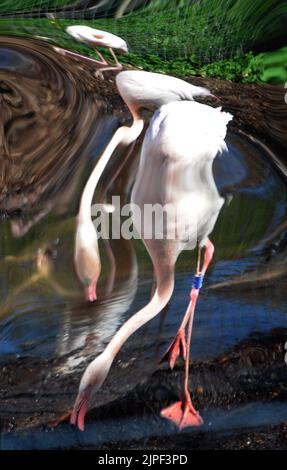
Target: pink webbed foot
[(176, 349), (182, 414)]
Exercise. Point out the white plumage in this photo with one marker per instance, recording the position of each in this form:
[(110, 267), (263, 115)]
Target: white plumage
[(97, 37), (175, 171), (149, 90)]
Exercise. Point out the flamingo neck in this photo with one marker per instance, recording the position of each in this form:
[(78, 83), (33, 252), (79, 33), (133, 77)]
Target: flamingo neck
[(124, 135), (157, 303)]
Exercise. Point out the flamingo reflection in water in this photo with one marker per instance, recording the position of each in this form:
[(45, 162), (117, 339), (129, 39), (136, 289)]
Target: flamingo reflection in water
[(119, 287), (175, 171)]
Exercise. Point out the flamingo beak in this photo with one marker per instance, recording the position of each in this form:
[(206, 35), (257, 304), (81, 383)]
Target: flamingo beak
[(79, 411), (80, 408), (90, 292)]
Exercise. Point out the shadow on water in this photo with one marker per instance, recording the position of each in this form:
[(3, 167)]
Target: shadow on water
[(56, 118)]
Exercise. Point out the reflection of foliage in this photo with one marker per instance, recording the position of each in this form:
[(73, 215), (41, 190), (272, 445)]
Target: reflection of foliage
[(241, 224), (239, 227)]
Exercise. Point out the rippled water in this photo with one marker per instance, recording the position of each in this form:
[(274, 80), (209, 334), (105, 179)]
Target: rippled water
[(54, 125)]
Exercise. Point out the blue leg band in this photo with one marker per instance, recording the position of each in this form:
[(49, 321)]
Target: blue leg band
[(197, 281)]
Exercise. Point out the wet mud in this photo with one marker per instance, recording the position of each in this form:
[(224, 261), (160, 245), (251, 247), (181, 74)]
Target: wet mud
[(227, 390)]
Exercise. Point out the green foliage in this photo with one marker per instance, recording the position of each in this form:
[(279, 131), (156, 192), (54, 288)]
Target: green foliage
[(188, 40), (245, 69), (274, 66), (29, 5)]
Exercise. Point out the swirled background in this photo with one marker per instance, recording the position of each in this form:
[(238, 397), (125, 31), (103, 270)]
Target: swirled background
[(56, 118)]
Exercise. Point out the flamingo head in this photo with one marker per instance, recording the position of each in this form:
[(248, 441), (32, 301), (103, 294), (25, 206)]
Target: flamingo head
[(124, 48), (92, 380), (87, 258)]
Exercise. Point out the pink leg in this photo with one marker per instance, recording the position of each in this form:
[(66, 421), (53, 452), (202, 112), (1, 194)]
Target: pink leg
[(118, 65), (104, 62), (209, 251), (110, 67), (183, 413), (190, 416), (178, 345), (65, 52), (115, 57)]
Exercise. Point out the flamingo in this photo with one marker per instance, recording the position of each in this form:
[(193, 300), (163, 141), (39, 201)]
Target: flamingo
[(179, 147), (182, 141), (138, 89), (96, 37)]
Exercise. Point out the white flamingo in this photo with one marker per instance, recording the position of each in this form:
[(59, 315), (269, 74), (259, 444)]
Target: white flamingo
[(95, 38), (179, 147)]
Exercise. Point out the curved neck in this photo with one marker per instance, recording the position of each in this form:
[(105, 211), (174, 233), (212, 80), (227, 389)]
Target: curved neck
[(124, 135), (157, 303)]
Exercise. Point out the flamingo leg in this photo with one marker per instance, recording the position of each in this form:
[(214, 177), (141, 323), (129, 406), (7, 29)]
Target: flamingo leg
[(104, 62), (118, 65), (115, 57), (178, 345), (98, 73), (65, 52), (209, 251), (183, 413)]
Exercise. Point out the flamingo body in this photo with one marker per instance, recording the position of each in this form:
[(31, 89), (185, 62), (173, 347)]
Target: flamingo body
[(96, 37), (175, 171)]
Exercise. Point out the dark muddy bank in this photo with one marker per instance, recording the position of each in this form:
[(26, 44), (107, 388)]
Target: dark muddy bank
[(241, 396)]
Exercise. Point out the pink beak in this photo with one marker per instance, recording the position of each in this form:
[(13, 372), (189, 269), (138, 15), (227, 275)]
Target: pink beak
[(79, 412), (90, 293)]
